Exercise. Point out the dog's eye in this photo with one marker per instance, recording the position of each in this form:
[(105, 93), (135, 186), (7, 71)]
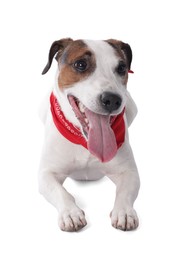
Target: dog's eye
[(121, 69), (80, 65)]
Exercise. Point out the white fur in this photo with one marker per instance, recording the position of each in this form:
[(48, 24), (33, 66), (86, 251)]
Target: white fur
[(61, 158)]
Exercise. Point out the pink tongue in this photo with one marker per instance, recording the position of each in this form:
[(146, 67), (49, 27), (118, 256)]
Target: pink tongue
[(101, 138)]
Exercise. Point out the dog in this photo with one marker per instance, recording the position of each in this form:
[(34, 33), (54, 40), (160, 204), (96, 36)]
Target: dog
[(87, 116)]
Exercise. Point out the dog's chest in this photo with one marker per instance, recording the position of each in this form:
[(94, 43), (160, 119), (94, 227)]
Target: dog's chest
[(87, 169), (80, 164)]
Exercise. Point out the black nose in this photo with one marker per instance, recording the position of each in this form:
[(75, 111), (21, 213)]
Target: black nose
[(110, 102)]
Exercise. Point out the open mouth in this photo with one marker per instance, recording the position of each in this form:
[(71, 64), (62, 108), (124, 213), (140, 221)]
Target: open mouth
[(97, 129), (79, 111)]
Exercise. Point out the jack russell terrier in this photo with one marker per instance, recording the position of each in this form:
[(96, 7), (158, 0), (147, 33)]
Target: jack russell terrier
[(86, 128)]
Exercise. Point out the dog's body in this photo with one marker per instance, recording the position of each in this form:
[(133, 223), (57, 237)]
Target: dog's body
[(89, 95)]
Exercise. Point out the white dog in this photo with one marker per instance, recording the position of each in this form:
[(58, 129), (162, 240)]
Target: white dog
[(86, 128)]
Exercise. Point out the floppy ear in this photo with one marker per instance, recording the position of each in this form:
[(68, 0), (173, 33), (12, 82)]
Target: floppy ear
[(128, 52), (56, 47), (120, 46)]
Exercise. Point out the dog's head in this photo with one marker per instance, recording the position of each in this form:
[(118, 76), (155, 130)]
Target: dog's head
[(92, 76)]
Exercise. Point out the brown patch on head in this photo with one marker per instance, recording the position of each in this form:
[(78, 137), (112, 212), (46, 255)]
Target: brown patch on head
[(76, 51), (116, 45), (123, 50)]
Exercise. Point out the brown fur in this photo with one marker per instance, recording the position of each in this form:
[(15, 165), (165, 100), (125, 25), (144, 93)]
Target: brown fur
[(118, 47), (68, 74), (68, 52)]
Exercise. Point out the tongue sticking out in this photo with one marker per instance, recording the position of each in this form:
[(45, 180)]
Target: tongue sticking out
[(101, 138)]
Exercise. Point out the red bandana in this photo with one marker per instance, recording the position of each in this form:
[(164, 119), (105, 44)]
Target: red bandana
[(73, 133)]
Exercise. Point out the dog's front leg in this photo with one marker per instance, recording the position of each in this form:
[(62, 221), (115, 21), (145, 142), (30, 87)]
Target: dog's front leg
[(123, 216), (71, 217)]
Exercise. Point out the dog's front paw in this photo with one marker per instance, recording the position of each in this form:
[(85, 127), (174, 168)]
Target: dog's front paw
[(124, 219), (72, 220)]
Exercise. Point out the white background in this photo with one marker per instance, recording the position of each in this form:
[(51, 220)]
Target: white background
[(28, 224)]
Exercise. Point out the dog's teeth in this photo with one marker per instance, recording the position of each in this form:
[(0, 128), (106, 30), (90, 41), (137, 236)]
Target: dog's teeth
[(81, 107), (86, 120)]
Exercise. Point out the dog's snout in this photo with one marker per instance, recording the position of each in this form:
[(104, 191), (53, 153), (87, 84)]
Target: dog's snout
[(110, 102)]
